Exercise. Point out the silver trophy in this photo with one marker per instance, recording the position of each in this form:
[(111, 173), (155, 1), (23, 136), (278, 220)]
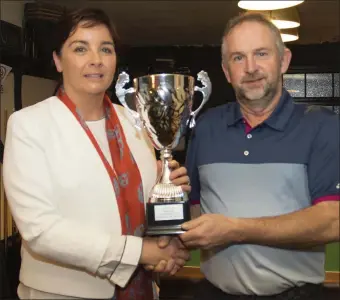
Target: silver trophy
[(164, 108)]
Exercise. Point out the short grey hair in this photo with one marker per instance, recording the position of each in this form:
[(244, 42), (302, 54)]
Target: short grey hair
[(257, 18)]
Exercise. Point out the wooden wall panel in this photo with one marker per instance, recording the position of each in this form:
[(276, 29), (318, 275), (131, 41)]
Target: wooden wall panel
[(6, 109)]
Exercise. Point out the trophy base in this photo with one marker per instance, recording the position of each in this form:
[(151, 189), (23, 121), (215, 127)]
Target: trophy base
[(166, 218), (164, 230)]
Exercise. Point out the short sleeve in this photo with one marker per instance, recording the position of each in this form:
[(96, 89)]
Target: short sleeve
[(192, 168), (323, 164)]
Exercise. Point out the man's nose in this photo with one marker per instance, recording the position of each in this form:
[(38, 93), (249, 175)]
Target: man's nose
[(251, 65)]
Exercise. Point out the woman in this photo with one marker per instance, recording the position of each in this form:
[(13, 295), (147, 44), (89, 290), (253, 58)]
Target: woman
[(77, 174)]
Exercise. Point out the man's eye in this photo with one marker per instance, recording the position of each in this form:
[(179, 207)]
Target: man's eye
[(237, 58)]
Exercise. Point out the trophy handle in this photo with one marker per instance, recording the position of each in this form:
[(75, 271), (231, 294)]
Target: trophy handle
[(121, 92), (205, 90)]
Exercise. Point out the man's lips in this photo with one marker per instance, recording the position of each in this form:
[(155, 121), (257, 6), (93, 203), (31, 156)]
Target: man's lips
[(253, 80)]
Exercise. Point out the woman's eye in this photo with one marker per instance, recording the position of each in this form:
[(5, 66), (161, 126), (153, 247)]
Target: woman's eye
[(107, 50), (79, 49)]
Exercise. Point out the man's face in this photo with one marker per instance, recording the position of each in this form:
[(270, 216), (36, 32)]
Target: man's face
[(252, 63)]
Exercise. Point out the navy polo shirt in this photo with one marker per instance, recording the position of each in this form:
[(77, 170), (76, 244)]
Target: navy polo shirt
[(287, 163)]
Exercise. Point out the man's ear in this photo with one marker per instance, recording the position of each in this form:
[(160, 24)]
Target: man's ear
[(57, 62), (285, 61)]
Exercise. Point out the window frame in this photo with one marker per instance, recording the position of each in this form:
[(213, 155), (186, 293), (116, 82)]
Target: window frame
[(327, 101)]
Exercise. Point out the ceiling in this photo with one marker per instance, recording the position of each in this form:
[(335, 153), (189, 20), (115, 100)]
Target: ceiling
[(178, 22)]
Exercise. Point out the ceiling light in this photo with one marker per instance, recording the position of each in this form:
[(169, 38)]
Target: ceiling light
[(289, 35), (267, 5), (283, 18)]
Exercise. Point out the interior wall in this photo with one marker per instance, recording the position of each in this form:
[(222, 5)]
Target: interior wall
[(36, 89), (6, 109), (12, 11)]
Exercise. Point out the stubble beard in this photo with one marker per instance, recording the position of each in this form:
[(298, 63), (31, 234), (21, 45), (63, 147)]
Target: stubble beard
[(258, 98)]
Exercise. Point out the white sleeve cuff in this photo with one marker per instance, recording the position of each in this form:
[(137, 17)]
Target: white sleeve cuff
[(129, 261)]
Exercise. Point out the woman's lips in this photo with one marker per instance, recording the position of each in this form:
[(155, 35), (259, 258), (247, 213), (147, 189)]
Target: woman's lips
[(94, 76)]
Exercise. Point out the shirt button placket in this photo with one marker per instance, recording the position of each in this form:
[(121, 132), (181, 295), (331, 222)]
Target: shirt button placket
[(249, 136)]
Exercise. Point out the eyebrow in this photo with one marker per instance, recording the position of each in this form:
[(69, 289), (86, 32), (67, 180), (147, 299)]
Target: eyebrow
[(242, 53), (87, 43), (236, 53), (262, 48)]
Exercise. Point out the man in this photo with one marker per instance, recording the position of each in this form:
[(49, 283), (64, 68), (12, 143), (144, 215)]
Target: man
[(266, 172)]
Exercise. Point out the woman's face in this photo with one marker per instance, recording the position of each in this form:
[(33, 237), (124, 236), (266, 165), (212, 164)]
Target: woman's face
[(87, 60)]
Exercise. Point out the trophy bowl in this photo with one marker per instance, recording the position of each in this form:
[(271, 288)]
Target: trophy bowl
[(164, 109)]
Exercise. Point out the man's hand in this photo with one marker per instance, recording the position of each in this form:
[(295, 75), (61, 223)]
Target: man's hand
[(302, 229), (209, 231)]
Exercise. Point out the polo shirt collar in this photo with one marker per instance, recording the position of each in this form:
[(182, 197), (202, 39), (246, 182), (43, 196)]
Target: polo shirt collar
[(277, 120), (282, 113)]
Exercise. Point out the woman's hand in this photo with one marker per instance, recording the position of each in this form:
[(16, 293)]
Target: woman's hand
[(171, 266), (167, 257), (178, 175)]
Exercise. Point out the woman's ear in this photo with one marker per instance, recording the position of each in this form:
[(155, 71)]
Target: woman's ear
[(57, 62)]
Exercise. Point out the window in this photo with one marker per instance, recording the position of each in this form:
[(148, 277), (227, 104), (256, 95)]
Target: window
[(295, 84), (312, 85), (336, 85), (319, 85)]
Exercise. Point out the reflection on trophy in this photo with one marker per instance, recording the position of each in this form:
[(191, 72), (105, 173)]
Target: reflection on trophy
[(164, 109)]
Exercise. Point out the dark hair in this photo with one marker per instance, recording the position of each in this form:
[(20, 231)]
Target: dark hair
[(89, 17)]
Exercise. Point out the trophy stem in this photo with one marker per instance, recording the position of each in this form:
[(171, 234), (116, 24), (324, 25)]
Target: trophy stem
[(165, 190), (166, 157)]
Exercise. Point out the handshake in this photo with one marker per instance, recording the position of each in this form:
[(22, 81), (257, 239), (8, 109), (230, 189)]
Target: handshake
[(167, 254), (164, 254)]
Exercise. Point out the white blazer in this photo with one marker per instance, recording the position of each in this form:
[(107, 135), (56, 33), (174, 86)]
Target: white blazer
[(63, 203)]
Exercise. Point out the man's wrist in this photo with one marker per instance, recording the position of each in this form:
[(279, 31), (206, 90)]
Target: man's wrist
[(238, 230)]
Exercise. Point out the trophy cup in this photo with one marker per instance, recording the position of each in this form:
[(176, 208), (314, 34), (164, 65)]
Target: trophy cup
[(163, 108)]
